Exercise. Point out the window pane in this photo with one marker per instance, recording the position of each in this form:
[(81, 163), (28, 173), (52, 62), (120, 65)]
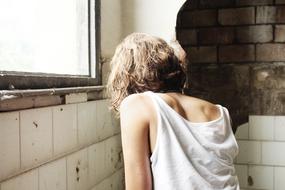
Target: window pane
[(47, 36)]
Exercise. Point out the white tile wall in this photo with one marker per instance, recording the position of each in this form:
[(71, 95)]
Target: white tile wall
[(263, 152), (96, 161), (9, 144), (53, 175), (242, 131), (280, 128), (262, 177), (36, 136), (261, 127), (273, 153), (87, 123), (249, 152), (279, 174), (64, 128), (77, 171), (45, 134), (26, 181), (242, 173)]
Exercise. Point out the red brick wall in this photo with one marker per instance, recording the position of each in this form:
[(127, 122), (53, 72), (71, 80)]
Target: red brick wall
[(236, 53)]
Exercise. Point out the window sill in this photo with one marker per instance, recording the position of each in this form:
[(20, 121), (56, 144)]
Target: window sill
[(11, 100)]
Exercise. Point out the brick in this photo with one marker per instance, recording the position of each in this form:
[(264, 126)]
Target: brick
[(236, 53), (236, 16), (187, 37), (261, 127), (279, 33), (216, 36), (270, 14), (254, 2), (206, 54), (216, 3), (199, 18), (270, 52), (279, 1), (253, 34)]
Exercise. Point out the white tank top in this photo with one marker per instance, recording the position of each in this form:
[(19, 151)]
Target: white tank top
[(192, 156)]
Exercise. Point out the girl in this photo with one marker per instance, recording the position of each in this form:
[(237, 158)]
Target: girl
[(170, 141)]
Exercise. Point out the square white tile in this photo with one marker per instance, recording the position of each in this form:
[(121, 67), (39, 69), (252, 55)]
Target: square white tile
[(262, 177), (279, 128), (279, 181), (87, 123), (52, 176), (75, 98), (36, 136), (261, 127), (104, 120), (64, 128), (113, 154), (77, 171), (249, 152), (26, 181), (273, 153), (117, 180), (96, 161), (9, 144)]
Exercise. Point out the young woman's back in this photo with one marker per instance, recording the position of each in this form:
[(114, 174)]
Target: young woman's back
[(170, 141), (191, 141)]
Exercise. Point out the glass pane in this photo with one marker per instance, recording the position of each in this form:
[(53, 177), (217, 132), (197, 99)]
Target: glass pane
[(47, 36)]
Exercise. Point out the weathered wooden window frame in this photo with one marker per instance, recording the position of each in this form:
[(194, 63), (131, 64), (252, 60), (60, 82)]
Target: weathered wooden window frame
[(26, 80)]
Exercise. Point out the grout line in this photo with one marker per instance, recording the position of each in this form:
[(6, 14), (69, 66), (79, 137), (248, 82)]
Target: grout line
[(20, 139), (38, 171), (52, 128), (77, 125), (66, 176)]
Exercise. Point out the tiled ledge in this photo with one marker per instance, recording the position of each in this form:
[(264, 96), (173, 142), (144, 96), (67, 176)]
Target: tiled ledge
[(11, 100)]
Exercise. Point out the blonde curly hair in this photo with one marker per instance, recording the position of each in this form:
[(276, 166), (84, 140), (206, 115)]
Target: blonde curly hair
[(144, 63)]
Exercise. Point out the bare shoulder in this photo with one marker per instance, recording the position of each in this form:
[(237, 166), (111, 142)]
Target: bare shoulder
[(135, 106), (194, 109), (210, 110)]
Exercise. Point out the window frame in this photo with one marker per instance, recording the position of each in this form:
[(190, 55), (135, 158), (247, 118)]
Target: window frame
[(10, 80)]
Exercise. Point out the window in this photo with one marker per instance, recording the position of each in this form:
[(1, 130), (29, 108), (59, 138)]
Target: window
[(49, 43)]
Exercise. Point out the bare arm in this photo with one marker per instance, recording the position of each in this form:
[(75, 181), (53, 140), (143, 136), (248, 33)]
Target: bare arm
[(134, 130)]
